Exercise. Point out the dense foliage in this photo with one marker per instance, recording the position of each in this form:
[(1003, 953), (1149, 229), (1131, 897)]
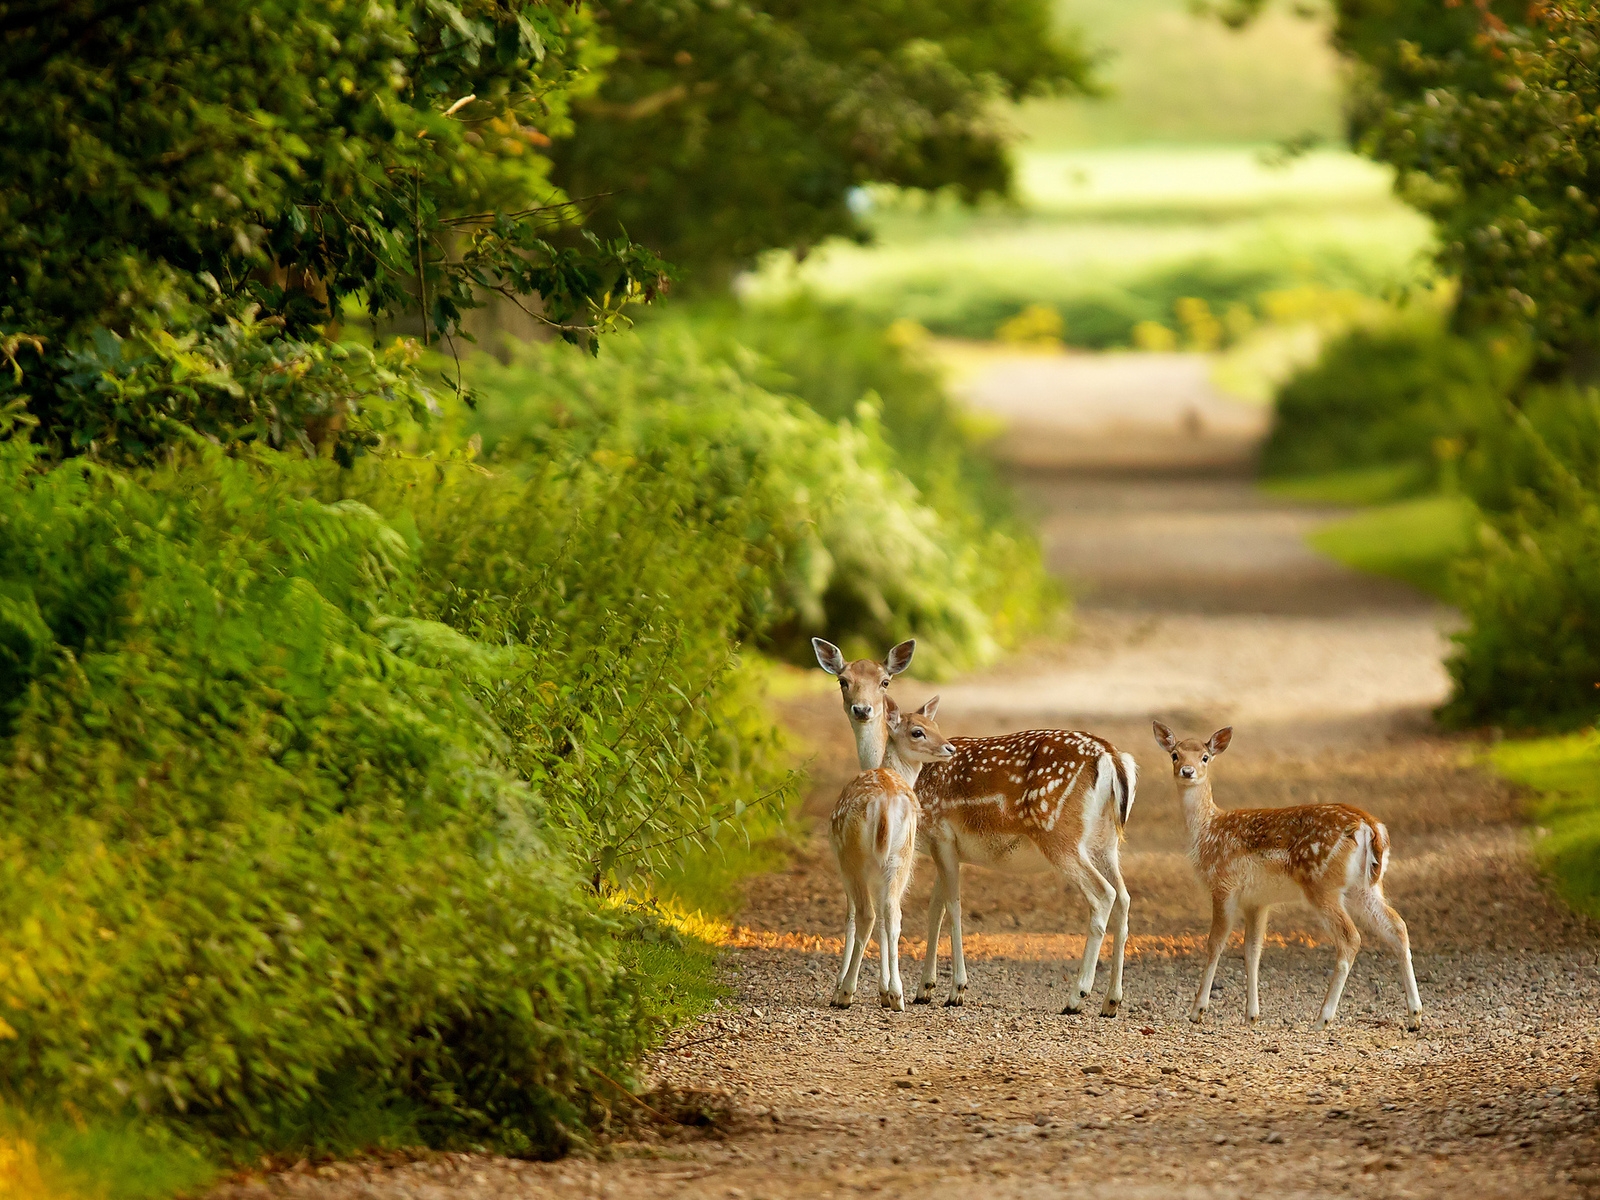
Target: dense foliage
[(1530, 655), (725, 129), (1402, 392), (255, 843), (189, 191), (851, 545), (332, 777), (248, 693)]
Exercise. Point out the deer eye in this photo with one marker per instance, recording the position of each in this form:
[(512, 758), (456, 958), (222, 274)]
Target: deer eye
[(1205, 758), (1174, 758), (885, 683), (916, 733)]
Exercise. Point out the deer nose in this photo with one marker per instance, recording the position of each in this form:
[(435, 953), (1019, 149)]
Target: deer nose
[(1186, 772), (861, 712)]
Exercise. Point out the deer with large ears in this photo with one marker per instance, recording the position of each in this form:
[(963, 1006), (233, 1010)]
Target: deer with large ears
[(874, 836), (1040, 799), (1253, 858)]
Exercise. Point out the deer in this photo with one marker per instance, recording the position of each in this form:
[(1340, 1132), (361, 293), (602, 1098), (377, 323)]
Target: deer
[(1253, 858), (874, 834), (1041, 799)]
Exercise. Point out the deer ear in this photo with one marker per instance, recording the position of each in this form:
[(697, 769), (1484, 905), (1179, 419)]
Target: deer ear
[(891, 714), (900, 657), (930, 709), (1220, 739), (1163, 735), (829, 656)]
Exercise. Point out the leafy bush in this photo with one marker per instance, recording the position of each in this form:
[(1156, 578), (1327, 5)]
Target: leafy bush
[(1530, 656), (1387, 394), (849, 544), (296, 793), (1565, 774)]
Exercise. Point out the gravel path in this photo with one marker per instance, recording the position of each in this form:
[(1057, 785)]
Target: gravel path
[(1199, 604)]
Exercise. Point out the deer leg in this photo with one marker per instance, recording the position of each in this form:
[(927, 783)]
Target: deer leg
[(1221, 924), (1102, 898), (1112, 870), (1255, 932), (930, 960), (1386, 923), (949, 865), (1348, 940), (891, 995), (866, 922), (841, 994)]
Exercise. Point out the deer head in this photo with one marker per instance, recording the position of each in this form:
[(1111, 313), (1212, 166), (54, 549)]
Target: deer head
[(914, 735), (1191, 759), (864, 683)]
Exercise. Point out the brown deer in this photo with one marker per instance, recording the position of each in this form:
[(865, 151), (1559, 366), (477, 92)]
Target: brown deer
[(874, 835), (1253, 858), (1037, 800)]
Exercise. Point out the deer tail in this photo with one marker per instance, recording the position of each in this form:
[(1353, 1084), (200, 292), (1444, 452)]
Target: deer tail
[(883, 830), (1118, 775), (1372, 840)]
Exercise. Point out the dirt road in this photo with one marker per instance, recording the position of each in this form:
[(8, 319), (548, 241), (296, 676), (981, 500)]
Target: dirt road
[(1198, 604)]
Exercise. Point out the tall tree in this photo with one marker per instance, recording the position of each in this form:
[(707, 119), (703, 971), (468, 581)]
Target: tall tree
[(727, 127), (190, 190)]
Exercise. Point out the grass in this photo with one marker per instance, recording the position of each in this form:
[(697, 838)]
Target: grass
[(1111, 237), (1412, 540), (1175, 76), (1356, 485), (58, 1160), (1564, 773)]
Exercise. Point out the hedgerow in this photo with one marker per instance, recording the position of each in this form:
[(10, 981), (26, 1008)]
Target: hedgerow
[(296, 803), (849, 544)]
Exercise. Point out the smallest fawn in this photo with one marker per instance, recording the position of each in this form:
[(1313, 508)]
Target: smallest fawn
[(1252, 858), (874, 835)]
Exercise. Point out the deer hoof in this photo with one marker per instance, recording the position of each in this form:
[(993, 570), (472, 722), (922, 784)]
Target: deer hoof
[(1252, 1018), (1110, 1007), (1198, 1016), (841, 1000), (957, 998), (892, 1002), (1414, 1021)]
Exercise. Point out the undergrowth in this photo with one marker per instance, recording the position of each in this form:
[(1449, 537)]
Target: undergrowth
[(1564, 774)]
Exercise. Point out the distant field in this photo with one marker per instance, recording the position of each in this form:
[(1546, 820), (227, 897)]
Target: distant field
[(1131, 208), (1113, 237), (1175, 77), (1169, 181)]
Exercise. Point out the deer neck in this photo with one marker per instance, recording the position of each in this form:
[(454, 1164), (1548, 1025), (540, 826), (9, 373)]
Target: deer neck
[(1198, 806), (872, 740), (906, 770)]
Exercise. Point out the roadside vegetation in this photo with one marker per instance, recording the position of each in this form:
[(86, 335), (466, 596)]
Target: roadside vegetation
[(383, 722), (1482, 412)]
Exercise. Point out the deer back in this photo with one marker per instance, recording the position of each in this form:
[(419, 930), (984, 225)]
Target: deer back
[(1033, 784), (1312, 844)]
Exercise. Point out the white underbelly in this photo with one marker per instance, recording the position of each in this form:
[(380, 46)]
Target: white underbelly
[(1015, 854), (1260, 887)]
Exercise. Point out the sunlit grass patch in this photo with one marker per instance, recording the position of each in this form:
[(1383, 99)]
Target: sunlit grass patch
[(1357, 485), (1564, 772), (1169, 181), (1107, 239), (66, 1160), (1411, 540)]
